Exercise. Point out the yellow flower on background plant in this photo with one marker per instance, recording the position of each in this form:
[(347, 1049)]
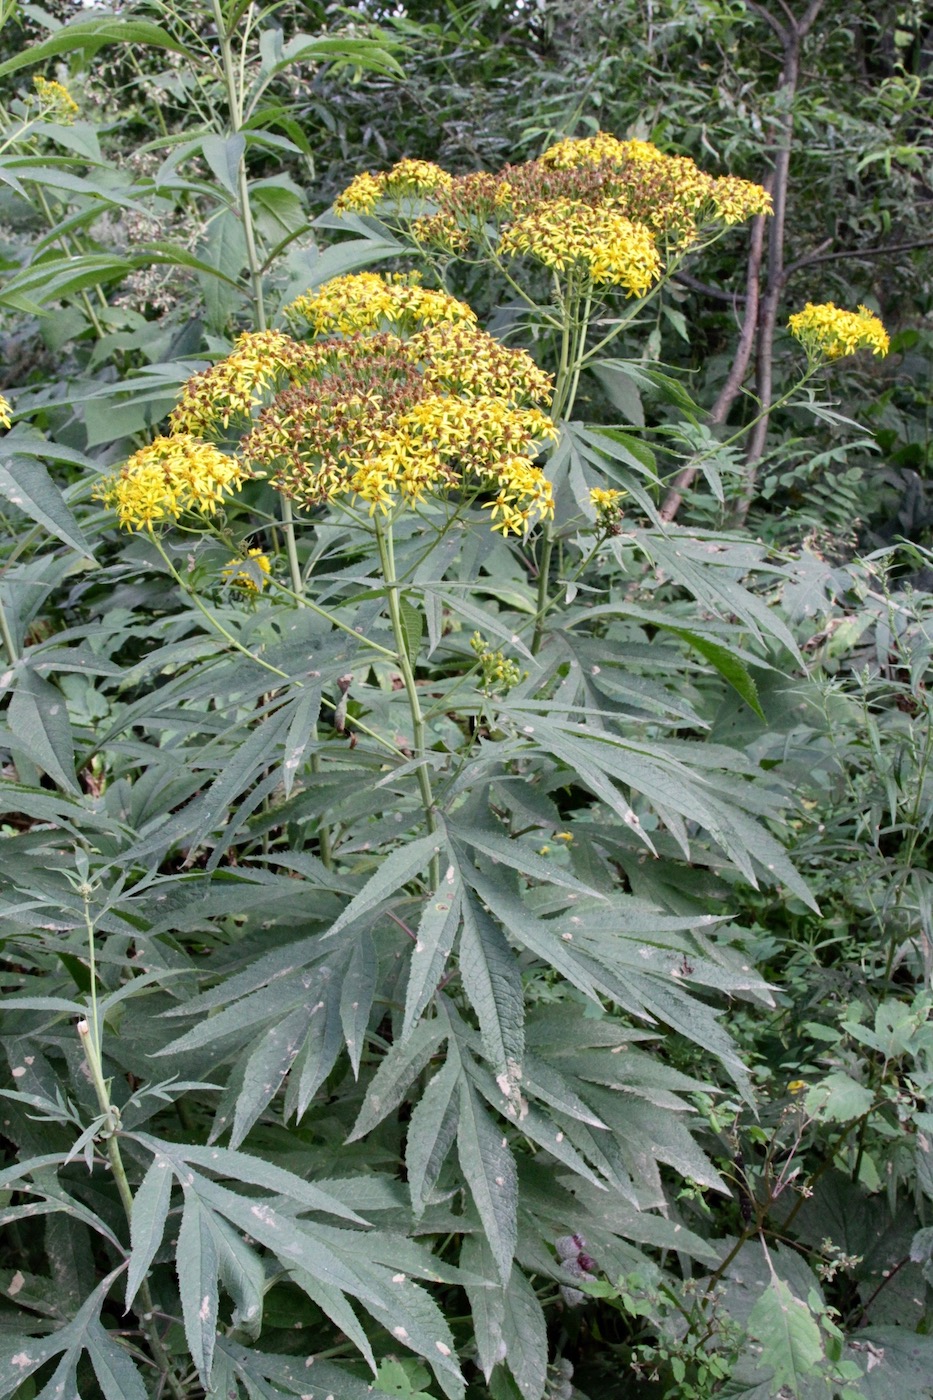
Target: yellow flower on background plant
[(825, 330), (56, 99), (613, 179), (571, 152), (5, 412), (250, 580), (169, 477)]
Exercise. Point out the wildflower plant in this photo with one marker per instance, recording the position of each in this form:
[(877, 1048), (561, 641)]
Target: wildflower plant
[(406, 1039)]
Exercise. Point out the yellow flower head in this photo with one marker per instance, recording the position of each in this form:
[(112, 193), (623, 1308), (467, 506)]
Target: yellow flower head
[(608, 505), (408, 179), (735, 200), (170, 476), (826, 332), (569, 154), (364, 301), (566, 235), (465, 360), (56, 100), (231, 389), (249, 574), (373, 424), (497, 673), (5, 412)]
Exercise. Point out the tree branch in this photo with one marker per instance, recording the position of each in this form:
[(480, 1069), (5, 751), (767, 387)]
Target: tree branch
[(730, 390), (818, 256), (684, 279)]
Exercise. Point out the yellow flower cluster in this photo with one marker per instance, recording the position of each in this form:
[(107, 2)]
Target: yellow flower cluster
[(567, 235), (249, 574), (468, 361), (592, 183), (608, 505), (602, 148), (169, 477), (56, 100), (408, 179), (364, 301), (498, 673), (230, 390), (736, 200), (5, 412), (378, 424), (826, 331)]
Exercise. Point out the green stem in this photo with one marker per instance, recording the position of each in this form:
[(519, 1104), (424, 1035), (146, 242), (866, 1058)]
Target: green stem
[(7, 634), (386, 548), (111, 1127), (236, 120), (235, 105), (217, 625), (572, 342)]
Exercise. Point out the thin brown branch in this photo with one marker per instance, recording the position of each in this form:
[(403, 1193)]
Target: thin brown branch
[(684, 279), (769, 19), (818, 256), (730, 390), (767, 326)]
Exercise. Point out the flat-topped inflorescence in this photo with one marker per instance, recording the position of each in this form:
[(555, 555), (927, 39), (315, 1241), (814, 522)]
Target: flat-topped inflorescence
[(827, 332)]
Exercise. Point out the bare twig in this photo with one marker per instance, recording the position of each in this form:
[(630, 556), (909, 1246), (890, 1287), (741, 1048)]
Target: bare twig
[(819, 255), (792, 39), (730, 390)]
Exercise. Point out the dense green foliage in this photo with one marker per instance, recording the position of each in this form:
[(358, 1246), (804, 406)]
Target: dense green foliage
[(443, 961)]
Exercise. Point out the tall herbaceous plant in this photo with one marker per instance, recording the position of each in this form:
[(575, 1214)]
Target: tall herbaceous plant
[(413, 821)]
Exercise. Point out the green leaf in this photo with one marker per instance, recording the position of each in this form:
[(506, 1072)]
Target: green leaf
[(38, 720), (224, 252), (147, 1224), (433, 942), (489, 1170), (487, 1304), (115, 1371), (358, 987), (524, 1333), (27, 485), (396, 870), (726, 663), (837, 1098), (270, 1060), (412, 628), (491, 979), (520, 857), (402, 1063), (224, 155), (197, 1266), (431, 1131), (89, 35), (243, 1275), (791, 1344)]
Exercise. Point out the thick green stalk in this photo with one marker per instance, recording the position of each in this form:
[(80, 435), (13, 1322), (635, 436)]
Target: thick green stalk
[(111, 1127), (572, 342), (235, 105), (386, 547), (7, 634)]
